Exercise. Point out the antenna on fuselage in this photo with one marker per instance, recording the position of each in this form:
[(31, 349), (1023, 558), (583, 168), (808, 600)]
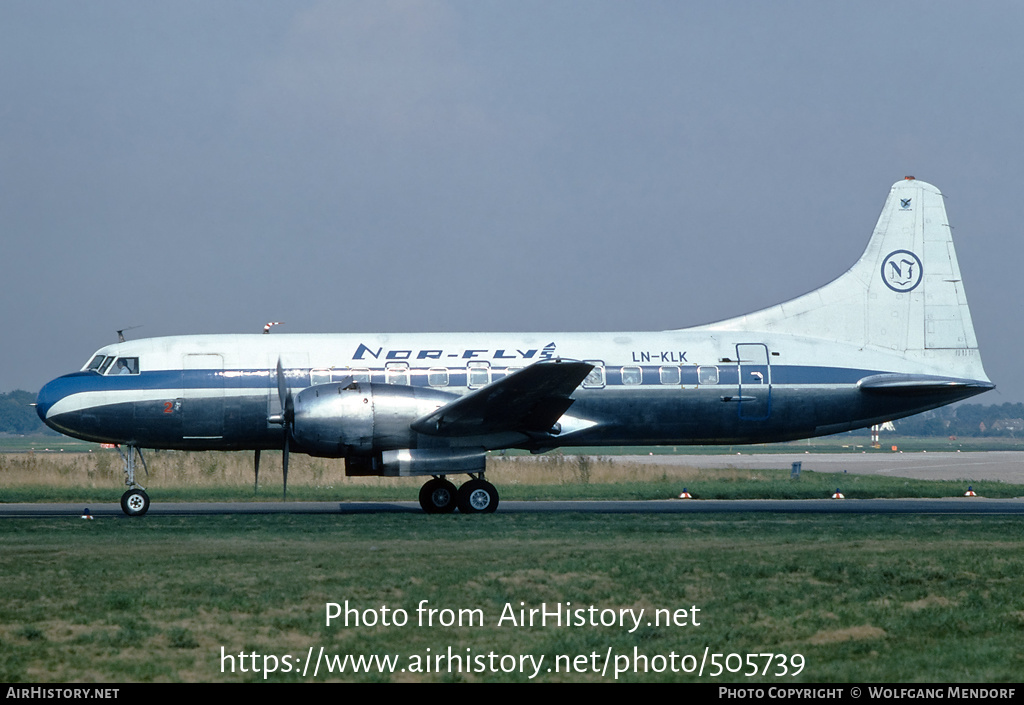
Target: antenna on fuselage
[(120, 333), (266, 328)]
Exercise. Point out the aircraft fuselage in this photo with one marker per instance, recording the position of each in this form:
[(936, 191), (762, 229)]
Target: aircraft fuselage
[(676, 388)]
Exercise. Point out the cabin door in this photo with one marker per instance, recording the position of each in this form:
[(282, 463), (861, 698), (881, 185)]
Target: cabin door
[(755, 381)]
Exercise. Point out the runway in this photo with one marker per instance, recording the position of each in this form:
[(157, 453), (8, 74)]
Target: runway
[(1002, 466), (952, 505)]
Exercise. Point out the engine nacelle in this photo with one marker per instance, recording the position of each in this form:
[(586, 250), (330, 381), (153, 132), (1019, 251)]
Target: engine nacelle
[(338, 420), (418, 461)]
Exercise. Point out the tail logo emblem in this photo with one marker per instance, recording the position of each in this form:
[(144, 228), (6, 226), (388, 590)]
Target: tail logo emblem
[(905, 203), (902, 271)]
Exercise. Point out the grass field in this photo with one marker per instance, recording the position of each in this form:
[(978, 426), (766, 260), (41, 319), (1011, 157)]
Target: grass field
[(840, 598), (858, 598)]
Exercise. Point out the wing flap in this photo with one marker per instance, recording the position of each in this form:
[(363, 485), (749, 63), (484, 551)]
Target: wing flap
[(530, 400)]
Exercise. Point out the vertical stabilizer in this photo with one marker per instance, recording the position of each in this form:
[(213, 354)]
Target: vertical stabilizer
[(904, 294)]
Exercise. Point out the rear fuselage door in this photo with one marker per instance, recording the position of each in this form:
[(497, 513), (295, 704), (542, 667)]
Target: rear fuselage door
[(755, 381)]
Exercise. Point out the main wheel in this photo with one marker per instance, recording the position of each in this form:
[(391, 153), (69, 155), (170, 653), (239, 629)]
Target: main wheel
[(135, 503), (478, 497), (438, 496)]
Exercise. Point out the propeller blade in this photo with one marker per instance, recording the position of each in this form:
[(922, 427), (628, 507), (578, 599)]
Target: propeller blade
[(282, 385), (284, 467), (256, 484), (287, 419)]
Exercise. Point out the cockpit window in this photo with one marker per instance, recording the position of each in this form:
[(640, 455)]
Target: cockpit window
[(105, 364), (95, 363), (125, 366)]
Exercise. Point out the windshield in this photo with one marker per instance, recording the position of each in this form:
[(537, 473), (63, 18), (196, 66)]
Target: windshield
[(105, 365), (125, 366)]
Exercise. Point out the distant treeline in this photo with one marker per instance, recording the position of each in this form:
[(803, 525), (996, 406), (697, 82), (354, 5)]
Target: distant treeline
[(17, 416), (966, 420)]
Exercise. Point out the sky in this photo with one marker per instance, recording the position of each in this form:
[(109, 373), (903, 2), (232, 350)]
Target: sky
[(387, 166)]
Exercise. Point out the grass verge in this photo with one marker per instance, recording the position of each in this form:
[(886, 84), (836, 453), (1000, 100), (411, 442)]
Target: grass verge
[(860, 598)]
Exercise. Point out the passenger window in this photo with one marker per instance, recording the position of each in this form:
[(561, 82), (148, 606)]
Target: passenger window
[(359, 374), (670, 375), (319, 376), (632, 375), (479, 374), (397, 373), (707, 375), (437, 377), (595, 380)]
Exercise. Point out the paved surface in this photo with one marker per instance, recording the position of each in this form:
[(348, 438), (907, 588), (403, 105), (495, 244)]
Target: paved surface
[(1004, 466), (953, 505)]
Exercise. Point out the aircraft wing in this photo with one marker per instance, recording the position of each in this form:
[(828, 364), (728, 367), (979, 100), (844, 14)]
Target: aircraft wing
[(529, 400)]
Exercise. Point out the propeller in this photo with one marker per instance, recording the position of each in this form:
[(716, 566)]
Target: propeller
[(286, 418)]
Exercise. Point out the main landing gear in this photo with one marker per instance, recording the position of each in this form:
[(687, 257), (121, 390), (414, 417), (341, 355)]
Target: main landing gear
[(476, 496), (134, 502)]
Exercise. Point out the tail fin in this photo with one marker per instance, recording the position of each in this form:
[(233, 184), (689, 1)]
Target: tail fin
[(903, 295)]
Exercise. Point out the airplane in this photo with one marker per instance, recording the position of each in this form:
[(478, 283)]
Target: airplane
[(891, 337)]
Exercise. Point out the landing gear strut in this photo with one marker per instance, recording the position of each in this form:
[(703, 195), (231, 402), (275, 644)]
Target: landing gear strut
[(134, 502)]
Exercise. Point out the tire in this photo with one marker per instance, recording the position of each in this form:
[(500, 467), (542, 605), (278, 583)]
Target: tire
[(438, 496), (478, 497), (135, 503)]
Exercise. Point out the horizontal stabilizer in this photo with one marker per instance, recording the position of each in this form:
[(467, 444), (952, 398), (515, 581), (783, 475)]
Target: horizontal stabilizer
[(530, 400), (919, 384)]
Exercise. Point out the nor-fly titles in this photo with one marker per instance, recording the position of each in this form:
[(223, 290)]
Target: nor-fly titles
[(563, 614)]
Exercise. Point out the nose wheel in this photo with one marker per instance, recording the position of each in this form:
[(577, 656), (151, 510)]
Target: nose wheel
[(135, 503)]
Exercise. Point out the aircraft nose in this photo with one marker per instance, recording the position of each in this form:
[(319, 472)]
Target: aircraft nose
[(51, 393)]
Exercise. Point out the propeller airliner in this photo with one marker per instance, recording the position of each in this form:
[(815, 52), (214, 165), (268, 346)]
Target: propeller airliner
[(891, 337)]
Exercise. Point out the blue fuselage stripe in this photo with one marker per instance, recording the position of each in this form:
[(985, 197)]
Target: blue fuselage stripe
[(457, 377)]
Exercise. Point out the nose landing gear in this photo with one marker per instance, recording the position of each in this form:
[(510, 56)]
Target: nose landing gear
[(134, 502)]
